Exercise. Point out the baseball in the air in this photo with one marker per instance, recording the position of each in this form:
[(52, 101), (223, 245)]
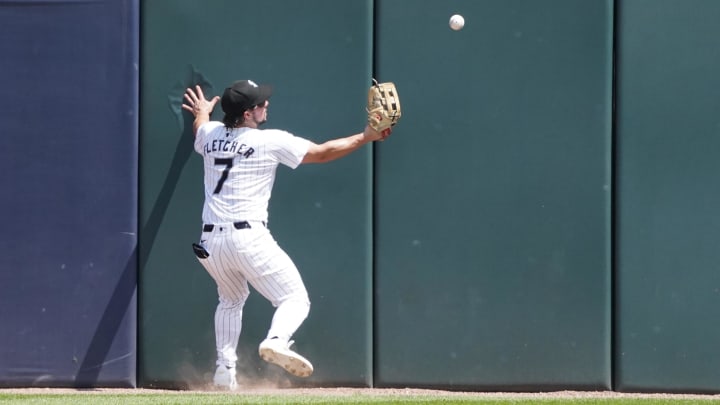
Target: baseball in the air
[(457, 22)]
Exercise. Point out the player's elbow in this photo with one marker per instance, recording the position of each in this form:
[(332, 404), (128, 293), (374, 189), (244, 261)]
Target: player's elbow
[(318, 154)]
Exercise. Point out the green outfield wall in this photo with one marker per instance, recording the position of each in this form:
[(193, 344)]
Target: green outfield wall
[(493, 200), (668, 229), (540, 219), (321, 215)]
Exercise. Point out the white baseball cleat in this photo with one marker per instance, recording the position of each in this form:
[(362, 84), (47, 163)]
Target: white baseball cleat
[(225, 378), (278, 352)]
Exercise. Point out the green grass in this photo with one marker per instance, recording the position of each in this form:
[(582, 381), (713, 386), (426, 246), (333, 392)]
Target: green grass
[(210, 399)]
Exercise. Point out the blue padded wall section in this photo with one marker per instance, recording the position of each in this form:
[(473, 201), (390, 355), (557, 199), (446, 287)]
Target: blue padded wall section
[(68, 171)]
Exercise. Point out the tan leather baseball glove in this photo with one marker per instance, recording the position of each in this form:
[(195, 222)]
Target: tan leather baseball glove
[(383, 106)]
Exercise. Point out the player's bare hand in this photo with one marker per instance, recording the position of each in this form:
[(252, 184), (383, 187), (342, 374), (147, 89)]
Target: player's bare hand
[(373, 135), (196, 103)]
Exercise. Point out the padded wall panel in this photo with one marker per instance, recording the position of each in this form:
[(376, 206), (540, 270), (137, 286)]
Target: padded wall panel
[(493, 208), (68, 158), (668, 284), (319, 214)]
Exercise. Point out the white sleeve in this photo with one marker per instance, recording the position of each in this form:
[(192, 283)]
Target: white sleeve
[(202, 133), (287, 148)]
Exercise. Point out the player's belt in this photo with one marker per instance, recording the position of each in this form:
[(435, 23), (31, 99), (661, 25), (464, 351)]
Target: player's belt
[(237, 225)]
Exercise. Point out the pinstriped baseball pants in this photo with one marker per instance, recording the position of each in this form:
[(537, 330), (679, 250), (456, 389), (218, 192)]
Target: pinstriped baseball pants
[(239, 257)]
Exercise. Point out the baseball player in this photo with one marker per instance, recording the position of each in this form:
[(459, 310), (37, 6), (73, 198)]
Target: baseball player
[(236, 247)]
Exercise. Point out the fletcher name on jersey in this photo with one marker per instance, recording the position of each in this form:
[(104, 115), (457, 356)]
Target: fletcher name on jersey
[(222, 145)]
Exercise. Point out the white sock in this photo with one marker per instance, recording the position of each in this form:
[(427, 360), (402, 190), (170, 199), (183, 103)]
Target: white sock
[(288, 317)]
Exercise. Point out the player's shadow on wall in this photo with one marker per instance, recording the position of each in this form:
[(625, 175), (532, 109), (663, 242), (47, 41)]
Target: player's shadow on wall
[(122, 298)]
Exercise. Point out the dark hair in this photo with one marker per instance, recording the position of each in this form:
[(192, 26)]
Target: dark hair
[(232, 121)]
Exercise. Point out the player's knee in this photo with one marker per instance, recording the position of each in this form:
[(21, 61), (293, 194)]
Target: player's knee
[(232, 302)]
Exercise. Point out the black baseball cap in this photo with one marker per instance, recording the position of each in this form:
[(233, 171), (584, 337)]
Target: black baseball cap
[(244, 95)]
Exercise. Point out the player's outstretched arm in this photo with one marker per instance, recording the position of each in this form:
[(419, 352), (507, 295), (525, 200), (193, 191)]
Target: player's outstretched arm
[(340, 147), (198, 106)]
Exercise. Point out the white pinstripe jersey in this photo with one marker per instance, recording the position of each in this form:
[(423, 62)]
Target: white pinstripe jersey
[(240, 167)]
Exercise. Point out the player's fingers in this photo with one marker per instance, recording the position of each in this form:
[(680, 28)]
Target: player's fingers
[(190, 94), (190, 99), (214, 101), (200, 94)]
